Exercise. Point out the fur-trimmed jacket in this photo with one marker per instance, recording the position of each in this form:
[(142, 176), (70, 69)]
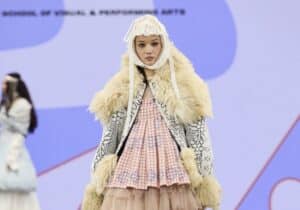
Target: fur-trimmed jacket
[(185, 118)]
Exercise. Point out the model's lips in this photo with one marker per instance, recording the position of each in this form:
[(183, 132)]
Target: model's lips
[(149, 58)]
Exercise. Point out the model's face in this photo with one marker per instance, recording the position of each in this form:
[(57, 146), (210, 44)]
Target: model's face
[(148, 48)]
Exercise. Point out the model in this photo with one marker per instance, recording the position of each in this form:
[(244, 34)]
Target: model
[(155, 152)]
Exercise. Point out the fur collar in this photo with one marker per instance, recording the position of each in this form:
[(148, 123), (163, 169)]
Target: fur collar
[(195, 100)]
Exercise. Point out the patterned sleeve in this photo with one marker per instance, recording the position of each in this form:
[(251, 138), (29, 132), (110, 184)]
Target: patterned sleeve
[(198, 139), (110, 137)]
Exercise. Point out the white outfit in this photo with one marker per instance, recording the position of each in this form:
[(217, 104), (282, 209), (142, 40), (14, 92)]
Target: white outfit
[(17, 184)]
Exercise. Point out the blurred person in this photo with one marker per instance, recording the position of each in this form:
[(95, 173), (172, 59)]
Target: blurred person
[(17, 119)]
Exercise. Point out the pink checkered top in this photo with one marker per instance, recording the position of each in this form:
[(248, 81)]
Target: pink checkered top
[(150, 157)]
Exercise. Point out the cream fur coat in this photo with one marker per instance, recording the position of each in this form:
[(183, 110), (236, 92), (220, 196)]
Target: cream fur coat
[(185, 119), (195, 100)]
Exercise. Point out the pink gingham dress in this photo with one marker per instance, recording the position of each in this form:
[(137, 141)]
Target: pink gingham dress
[(150, 157)]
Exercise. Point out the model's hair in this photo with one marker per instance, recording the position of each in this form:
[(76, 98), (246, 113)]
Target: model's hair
[(19, 87), (142, 71)]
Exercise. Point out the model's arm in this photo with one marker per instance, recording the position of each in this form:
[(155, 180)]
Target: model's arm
[(17, 119), (197, 136), (105, 160), (198, 139), (110, 137)]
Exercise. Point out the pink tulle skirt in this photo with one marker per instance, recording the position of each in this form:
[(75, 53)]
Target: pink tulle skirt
[(175, 197)]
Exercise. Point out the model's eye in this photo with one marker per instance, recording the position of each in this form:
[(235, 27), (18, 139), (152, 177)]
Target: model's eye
[(154, 44), (141, 45)]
